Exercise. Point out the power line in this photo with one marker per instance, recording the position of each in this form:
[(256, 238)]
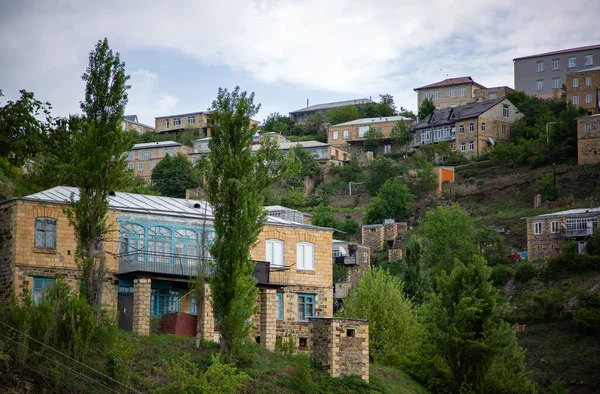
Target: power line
[(71, 358)]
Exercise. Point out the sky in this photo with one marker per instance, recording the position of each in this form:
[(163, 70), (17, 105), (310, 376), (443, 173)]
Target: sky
[(179, 53)]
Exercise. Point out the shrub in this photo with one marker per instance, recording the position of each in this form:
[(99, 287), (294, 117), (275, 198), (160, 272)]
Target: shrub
[(545, 187), (549, 304), (567, 262), (500, 275), (525, 272), (293, 197), (587, 315)]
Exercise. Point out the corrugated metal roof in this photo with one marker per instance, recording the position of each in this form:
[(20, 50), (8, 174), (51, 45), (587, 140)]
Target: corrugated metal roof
[(160, 144), (569, 212), (326, 106), (141, 203), (372, 120)]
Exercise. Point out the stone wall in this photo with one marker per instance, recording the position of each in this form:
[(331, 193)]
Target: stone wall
[(341, 346), (141, 306), (8, 220), (583, 90), (588, 142)]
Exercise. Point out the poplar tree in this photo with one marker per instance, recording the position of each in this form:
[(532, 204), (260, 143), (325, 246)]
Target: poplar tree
[(235, 179), (99, 163)]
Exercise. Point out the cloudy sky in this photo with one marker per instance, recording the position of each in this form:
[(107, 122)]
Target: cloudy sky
[(287, 51)]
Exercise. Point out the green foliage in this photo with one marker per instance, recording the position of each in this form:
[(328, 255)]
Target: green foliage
[(380, 170), (492, 246), (342, 114), (373, 140), (426, 108), (340, 273), (392, 202), (285, 345), (118, 361), (293, 197), (449, 232), (592, 246), (323, 216), (308, 166), (566, 263), (400, 134), (187, 378), (385, 107), (276, 123), (545, 187), (422, 178), (467, 328), (414, 271), (558, 387), (501, 274), (546, 305), (587, 314), (236, 178), (525, 272), (350, 227), (315, 124), (351, 172), (173, 175), (394, 325)]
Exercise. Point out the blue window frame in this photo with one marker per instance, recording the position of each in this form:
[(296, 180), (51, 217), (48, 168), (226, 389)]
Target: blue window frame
[(306, 306), (279, 304), (163, 301), (40, 288), (193, 306)]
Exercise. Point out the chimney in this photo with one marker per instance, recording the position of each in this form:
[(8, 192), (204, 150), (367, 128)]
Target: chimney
[(306, 103)]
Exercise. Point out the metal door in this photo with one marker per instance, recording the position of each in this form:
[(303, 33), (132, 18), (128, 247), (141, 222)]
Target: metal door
[(125, 311)]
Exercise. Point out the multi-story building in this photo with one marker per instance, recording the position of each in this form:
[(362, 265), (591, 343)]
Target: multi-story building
[(588, 139), (300, 115), (176, 123), (131, 122), (491, 93), (143, 157), (449, 92), (388, 235), (156, 245), (356, 258), (544, 74), (468, 128), (583, 89), (350, 136), (545, 232)]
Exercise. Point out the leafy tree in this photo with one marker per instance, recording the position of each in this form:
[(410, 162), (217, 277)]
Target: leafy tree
[(491, 245), (351, 172), (276, 123), (414, 273), (422, 178), (21, 129), (407, 113), (99, 163), (293, 197), (426, 108), (323, 216), (308, 165), (380, 170), (450, 235), (373, 140), (236, 178), (315, 125), (392, 201), (350, 227), (173, 175), (342, 114), (137, 185), (545, 187), (395, 329), (467, 326), (400, 135), (387, 105)]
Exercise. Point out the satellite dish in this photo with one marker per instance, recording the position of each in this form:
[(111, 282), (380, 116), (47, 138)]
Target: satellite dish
[(343, 251)]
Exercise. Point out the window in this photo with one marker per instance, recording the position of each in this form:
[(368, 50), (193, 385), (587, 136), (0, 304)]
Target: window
[(176, 121), (426, 95), (152, 165), (345, 134), (555, 83), (275, 252), (554, 227), (503, 129), (167, 123), (436, 94), (575, 100), (588, 127), (305, 256), (471, 127), (461, 129), (537, 228), (387, 149), (453, 92), (130, 166), (539, 66), (493, 96), (588, 98), (462, 147), (572, 62), (589, 60), (41, 287), (471, 146), (555, 64), (140, 167), (575, 82), (505, 111), (483, 127), (462, 92), (45, 233), (279, 306), (335, 135), (588, 81), (539, 85), (194, 160), (359, 149), (163, 301), (191, 119), (306, 306), (130, 156), (193, 306), (146, 154), (362, 130)]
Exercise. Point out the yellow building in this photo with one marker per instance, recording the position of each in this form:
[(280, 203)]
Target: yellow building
[(131, 122), (144, 157)]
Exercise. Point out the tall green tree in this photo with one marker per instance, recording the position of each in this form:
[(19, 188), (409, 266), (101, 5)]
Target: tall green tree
[(315, 125), (414, 271), (277, 123), (379, 171), (342, 114), (469, 331), (373, 140), (173, 175), (323, 216), (400, 135), (426, 108), (449, 232), (99, 163), (235, 179), (391, 202), (308, 166)]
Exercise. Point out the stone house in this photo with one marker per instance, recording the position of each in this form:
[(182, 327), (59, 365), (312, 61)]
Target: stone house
[(143, 157), (469, 129), (350, 136), (357, 258), (156, 244), (546, 232), (300, 115), (449, 92), (286, 213), (588, 139), (388, 235), (583, 89), (131, 122)]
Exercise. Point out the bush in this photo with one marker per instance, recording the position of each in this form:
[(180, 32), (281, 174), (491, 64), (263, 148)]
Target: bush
[(350, 227), (570, 263), (293, 197), (525, 272), (500, 275), (587, 315), (545, 187), (549, 304)]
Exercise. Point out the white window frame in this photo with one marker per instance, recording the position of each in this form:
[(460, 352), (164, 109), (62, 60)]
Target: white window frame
[(176, 121), (493, 95), (590, 58), (555, 64), (555, 83), (140, 167), (504, 129), (436, 94), (554, 226), (387, 148), (588, 98), (483, 127), (275, 252), (505, 111), (461, 129), (537, 228), (152, 165), (191, 119), (426, 95), (572, 61), (452, 92), (362, 130), (463, 147), (588, 81), (471, 127), (167, 124), (539, 66), (130, 166), (345, 134), (575, 99), (588, 127), (462, 92), (575, 82), (335, 135), (305, 256), (471, 146), (146, 154), (539, 85)]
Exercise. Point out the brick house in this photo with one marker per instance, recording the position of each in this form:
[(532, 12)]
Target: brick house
[(131, 122), (156, 244), (470, 128), (588, 139), (583, 89), (545, 232), (350, 136), (143, 157)]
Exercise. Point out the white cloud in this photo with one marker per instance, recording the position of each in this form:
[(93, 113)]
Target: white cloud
[(146, 99)]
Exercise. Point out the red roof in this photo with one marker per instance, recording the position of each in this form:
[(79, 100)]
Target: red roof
[(579, 49), (451, 82)]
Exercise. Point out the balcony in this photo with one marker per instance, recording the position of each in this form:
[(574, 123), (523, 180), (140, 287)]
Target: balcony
[(346, 260)]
